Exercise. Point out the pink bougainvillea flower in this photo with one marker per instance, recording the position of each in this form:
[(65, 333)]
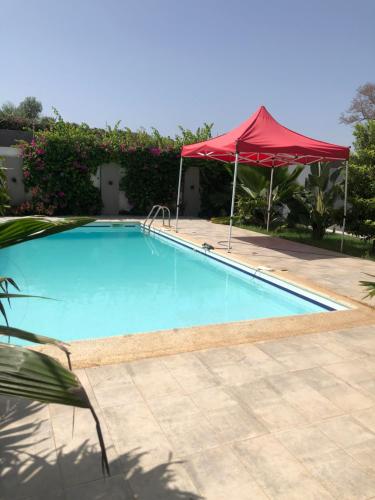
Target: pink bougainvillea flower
[(155, 151), (40, 151), (26, 174), (61, 194)]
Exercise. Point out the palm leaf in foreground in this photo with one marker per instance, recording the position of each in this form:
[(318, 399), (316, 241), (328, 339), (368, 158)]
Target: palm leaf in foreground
[(34, 375), (4, 294), (38, 339), (370, 285), (29, 228)]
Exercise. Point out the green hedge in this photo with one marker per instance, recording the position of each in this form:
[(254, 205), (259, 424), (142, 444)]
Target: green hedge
[(59, 163)]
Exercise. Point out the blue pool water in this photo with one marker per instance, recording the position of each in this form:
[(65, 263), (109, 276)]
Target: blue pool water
[(118, 280)]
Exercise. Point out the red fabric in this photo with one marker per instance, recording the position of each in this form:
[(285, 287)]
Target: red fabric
[(261, 140)]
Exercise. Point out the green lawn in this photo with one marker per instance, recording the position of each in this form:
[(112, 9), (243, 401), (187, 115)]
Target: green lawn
[(352, 245)]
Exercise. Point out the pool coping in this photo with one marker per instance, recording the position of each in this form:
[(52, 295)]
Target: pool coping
[(123, 348)]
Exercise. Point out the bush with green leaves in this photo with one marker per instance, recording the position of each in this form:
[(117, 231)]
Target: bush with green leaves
[(59, 163), (252, 201), (57, 169), (361, 186), (315, 205), (4, 197), (150, 177)]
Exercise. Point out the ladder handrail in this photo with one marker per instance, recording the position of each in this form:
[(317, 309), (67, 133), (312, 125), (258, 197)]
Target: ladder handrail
[(154, 212)]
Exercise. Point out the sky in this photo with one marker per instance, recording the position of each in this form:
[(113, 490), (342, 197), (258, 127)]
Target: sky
[(165, 63)]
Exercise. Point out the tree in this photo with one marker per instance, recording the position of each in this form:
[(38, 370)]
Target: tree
[(362, 106), (361, 186), (30, 108), (8, 110), (314, 206), (255, 182)]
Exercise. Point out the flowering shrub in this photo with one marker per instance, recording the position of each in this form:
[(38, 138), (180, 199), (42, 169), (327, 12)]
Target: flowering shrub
[(59, 162), (57, 168)]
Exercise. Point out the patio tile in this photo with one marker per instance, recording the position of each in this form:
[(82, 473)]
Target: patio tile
[(166, 480), (354, 372), (220, 475), (309, 402), (364, 453), (220, 356), (213, 398), (366, 418), (243, 372), (133, 427), (321, 454), (234, 423), (152, 378), (306, 443), (113, 488), (336, 344), (189, 371), (114, 394), (345, 431), (169, 407), (338, 392), (277, 471), (299, 355), (30, 471), (109, 374), (268, 406), (18, 412), (343, 476), (189, 433)]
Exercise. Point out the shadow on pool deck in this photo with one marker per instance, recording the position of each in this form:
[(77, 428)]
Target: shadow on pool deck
[(32, 467), (293, 248)]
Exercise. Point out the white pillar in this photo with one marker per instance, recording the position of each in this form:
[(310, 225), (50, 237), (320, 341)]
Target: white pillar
[(233, 198), (345, 204), (269, 200), (179, 193)]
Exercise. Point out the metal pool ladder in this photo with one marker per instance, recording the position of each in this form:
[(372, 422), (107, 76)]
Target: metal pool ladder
[(154, 212)]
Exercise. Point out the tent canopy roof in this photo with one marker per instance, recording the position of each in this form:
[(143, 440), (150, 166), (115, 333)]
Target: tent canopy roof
[(262, 141)]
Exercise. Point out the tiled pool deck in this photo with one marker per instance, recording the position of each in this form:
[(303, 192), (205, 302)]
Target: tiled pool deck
[(282, 419)]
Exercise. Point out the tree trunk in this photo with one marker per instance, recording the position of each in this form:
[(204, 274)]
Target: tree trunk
[(318, 232)]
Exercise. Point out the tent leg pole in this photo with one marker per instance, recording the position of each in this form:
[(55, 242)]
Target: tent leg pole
[(345, 204), (233, 198), (179, 193), (269, 200)]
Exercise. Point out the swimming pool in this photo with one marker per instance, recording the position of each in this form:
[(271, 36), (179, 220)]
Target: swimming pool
[(118, 280)]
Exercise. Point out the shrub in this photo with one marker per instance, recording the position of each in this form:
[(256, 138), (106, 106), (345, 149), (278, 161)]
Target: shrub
[(150, 177), (4, 198)]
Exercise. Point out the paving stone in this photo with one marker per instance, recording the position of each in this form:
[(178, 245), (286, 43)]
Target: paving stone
[(346, 431), (268, 406), (152, 378), (220, 475), (309, 402), (113, 488), (337, 391), (277, 471), (366, 418), (343, 476)]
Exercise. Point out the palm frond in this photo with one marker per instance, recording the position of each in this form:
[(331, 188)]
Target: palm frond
[(370, 285), (37, 339), (30, 228), (34, 375)]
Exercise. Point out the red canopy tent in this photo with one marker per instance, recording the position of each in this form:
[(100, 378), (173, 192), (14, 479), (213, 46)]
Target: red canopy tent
[(263, 142)]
